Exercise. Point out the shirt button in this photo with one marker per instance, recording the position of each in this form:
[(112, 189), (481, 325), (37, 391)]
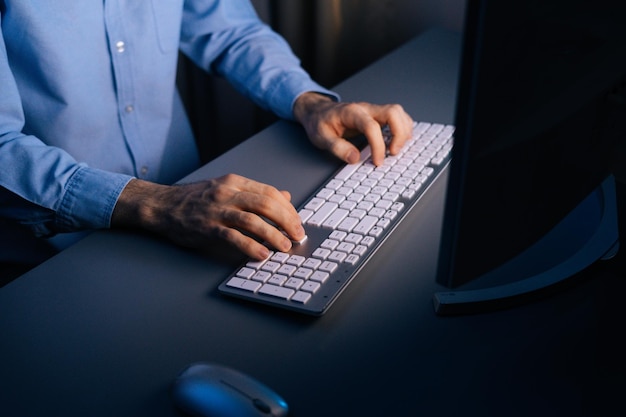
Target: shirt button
[(120, 46), (129, 108), (144, 170)]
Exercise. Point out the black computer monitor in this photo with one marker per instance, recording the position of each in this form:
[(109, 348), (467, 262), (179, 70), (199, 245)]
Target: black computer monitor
[(541, 107)]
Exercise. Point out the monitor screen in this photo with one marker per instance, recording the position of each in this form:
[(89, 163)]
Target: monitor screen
[(541, 106)]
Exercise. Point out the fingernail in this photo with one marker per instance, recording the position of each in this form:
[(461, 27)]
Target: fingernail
[(264, 253), (353, 157)]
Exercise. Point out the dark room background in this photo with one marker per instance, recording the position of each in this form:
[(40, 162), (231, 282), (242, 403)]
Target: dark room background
[(333, 39)]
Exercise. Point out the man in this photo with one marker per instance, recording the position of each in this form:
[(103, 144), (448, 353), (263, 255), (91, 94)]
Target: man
[(91, 125)]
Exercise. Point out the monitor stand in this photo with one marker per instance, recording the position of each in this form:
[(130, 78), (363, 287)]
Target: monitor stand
[(589, 233)]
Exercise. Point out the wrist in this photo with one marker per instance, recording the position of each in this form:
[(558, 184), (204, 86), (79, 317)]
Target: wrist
[(138, 205), (310, 103)]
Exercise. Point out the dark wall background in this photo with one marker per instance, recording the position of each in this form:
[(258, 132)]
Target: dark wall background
[(333, 39)]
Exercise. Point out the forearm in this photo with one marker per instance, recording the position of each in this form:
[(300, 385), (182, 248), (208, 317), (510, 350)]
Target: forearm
[(233, 42)]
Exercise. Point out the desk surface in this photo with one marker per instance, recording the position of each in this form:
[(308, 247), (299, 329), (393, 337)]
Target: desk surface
[(103, 328)]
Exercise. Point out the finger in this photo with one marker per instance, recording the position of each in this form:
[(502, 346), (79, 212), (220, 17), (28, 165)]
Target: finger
[(241, 184), (367, 119), (344, 150), (274, 205), (263, 200), (373, 133), (286, 194), (399, 122), (245, 244), (400, 126), (252, 225)]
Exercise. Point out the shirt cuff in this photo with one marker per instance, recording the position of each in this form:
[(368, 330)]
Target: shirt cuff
[(89, 199), (287, 91)]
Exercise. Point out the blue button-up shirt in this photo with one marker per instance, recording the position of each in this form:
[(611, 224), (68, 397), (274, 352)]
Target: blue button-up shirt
[(88, 98)]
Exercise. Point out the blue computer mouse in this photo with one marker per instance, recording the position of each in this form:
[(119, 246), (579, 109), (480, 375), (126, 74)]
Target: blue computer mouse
[(210, 390)]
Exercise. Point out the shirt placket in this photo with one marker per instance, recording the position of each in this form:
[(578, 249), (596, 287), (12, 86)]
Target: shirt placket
[(120, 50)]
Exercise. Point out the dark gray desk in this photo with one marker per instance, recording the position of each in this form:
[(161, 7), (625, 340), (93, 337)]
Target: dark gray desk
[(103, 328)]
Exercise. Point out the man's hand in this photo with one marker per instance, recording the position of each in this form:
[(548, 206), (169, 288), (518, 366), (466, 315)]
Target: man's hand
[(328, 123), (231, 208), (246, 213)]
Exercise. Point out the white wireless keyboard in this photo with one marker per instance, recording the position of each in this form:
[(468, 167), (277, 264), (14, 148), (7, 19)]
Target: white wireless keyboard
[(346, 221)]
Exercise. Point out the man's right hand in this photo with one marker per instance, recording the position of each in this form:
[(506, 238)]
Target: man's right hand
[(230, 208)]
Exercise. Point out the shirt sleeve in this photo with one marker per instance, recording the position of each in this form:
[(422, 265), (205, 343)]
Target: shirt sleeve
[(227, 38), (42, 186)]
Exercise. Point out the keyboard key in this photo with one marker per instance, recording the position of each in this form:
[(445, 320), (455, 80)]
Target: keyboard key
[(329, 244), (364, 205), (347, 171), (337, 256), (310, 286), (311, 263), (358, 213), (287, 269), (328, 266), (305, 215), (384, 222), (301, 297), (384, 204), (277, 279), (346, 247), (244, 284), (276, 291), (348, 205), (337, 235), (335, 218), (376, 231), (270, 266), (321, 253), (348, 224), (355, 197), (322, 213), (353, 238), (372, 198), (294, 283), (246, 272), (390, 214), (334, 184), (303, 273), (258, 264), (314, 204), (377, 212), (365, 225), (296, 260), (325, 193), (261, 276), (409, 194), (360, 250), (280, 257), (320, 276), (352, 259), (337, 198)]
